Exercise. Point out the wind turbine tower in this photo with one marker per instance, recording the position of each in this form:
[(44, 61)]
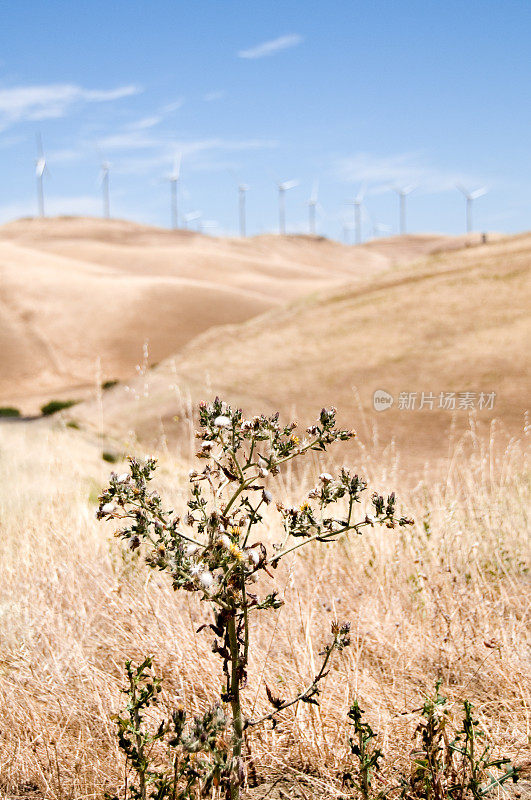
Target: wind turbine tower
[(312, 208), (40, 169), (358, 203), (242, 189), (283, 187), (402, 194), (470, 197), (105, 195), (174, 183), (347, 228)]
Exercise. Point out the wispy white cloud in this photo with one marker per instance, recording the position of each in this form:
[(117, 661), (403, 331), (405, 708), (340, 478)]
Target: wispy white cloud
[(165, 144), (49, 101), (383, 172), (145, 123), (130, 140), (271, 46), (150, 156), (175, 105)]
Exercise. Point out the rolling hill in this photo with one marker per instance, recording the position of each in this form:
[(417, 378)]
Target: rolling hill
[(455, 321), (79, 297)]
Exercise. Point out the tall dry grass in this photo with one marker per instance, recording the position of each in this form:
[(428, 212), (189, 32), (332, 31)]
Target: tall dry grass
[(448, 598)]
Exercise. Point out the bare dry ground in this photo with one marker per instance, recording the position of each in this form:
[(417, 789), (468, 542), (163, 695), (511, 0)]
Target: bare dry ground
[(454, 321), (77, 292)]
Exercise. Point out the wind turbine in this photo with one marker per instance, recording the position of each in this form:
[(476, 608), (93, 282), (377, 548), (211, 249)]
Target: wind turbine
[(191, 217), (312, 208), (357, 203), (174, 182), (242, 189), (470, 197), (208, 224), (104, 182), (283, 187), (402, 193), (379, 229), (347, 227), (40, 169)]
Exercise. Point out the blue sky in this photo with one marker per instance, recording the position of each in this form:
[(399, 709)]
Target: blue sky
[(385, 93)]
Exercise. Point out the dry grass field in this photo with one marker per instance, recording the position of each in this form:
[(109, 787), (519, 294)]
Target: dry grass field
[(447, 598)]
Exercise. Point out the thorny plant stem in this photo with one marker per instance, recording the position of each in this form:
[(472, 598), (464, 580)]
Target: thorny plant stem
[(317, 536), (365, 783), (139, 742), (304, 693), (237, 720)]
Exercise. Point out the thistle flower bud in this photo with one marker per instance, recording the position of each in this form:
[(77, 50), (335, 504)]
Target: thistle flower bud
[(206, 579), (325, 477), (222, 422), (123, 478), (370, 519), (108, 508), (236, 552), (266, 496), (225, 541), (263, 472), (262, 463), (190, 549)]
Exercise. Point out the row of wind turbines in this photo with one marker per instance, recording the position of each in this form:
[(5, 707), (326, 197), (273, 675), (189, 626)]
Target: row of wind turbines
[(360, 209)]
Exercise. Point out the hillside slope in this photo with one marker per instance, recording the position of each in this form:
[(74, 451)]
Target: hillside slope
[(456, 322), (79, 297)]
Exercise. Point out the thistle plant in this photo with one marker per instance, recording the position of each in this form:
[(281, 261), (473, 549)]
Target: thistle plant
[(196, 753), (453, 765), (215, 550), (367, 754)]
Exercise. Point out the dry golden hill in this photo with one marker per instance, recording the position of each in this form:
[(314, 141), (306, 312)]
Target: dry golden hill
[(453, 322), (75, 292)]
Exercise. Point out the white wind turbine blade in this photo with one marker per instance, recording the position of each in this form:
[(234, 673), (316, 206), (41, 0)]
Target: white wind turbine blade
[(409, 188), (176, 174), (361, 194), (478, 193), (312, 201), (40, 163), (285, 185), (193, 215), (104, 172), (461, 188), (40, 167)]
